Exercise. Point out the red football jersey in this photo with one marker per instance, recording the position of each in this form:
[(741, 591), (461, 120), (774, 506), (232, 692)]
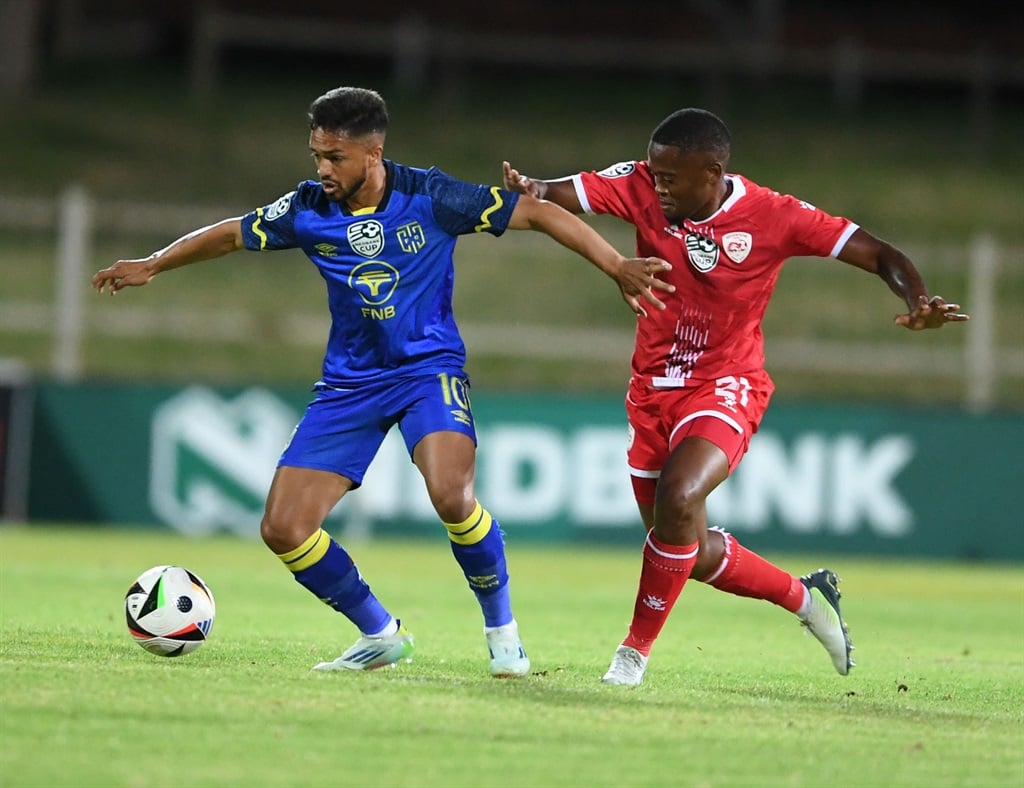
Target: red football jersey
[(724, 269)]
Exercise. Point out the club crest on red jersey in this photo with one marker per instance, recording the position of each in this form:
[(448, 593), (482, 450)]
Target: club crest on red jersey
[(703, 252), (737, 246)]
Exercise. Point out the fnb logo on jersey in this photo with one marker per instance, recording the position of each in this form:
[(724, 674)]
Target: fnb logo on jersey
[(366, 238), (375, 281)]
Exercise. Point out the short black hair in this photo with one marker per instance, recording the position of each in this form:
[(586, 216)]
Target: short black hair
[(695, 130), (355, 112)]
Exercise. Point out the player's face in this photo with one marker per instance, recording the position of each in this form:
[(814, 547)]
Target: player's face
[(688, 184), (343, 163)]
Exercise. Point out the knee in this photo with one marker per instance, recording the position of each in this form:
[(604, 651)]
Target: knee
[(455, 507), (679, 515), (283, 532), (453, 503), (679, 504)]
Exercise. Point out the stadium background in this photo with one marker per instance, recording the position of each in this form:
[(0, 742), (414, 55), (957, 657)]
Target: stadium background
[(125, 126)]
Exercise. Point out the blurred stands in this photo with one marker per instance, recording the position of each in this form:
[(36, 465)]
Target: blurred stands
[(976, 45)]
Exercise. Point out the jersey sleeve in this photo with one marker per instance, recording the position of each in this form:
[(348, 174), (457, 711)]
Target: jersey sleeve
[(273, 226), (611, 190), (462, 208), (812, 232)]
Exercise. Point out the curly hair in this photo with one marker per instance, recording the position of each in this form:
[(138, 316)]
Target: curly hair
[(355, 112)]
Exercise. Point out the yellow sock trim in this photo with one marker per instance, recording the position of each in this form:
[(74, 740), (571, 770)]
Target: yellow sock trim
[(307, 553), (472, 529)]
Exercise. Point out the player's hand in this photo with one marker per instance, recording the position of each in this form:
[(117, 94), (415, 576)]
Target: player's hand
[(123, 273), (931, 312), (514, 181), (637, 279)]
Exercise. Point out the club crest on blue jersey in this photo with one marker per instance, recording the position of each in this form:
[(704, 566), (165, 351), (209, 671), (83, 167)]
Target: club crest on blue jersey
[(375, 281), (366, 237), (703, 252), (411, 237)]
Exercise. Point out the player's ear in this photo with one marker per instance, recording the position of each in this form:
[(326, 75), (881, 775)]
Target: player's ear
[(714, 171), (374, 146)]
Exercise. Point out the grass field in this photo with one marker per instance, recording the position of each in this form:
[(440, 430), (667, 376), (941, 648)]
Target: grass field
[(735, 695)]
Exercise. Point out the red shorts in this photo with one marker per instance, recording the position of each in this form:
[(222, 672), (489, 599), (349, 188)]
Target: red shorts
[(726, 412)]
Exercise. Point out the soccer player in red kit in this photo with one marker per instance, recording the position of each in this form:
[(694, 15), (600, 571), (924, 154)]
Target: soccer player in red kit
[(698, 388)]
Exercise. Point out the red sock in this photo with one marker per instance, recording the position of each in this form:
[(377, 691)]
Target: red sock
[(665, 571), (745, 573)]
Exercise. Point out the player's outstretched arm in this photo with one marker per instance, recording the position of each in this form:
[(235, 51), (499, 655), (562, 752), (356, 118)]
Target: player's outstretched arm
[(205, 243), (560, 191), (896, 269), (636, 277)]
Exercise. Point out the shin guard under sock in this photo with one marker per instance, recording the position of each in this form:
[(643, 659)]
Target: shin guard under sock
[(664, 573), (323, 567), (744, 573)]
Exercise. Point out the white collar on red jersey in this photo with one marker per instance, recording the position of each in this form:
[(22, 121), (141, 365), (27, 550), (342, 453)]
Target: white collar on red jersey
[(739, 191)]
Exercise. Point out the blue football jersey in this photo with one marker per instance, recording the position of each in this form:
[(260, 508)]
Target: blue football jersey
[(390, 272)]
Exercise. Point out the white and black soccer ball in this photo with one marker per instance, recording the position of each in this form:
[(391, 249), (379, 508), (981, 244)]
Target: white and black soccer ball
[(170, 611)]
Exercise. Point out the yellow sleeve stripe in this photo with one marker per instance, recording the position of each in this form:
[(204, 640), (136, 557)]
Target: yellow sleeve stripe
[(307, 553), (256, 229), (485, 217), (472, 529)]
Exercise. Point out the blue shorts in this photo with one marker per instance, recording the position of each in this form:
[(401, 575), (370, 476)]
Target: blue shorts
[(342, 429)]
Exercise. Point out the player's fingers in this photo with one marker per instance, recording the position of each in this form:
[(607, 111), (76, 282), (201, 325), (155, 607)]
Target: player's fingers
[(635, 305), (653, 299)]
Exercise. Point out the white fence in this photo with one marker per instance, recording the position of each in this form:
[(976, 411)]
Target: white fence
[(75, 217)]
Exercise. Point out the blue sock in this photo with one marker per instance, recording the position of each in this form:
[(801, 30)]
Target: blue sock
[(478, 546), (323, 567)]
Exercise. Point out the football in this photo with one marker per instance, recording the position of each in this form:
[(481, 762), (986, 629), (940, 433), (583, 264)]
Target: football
[(170, 611)]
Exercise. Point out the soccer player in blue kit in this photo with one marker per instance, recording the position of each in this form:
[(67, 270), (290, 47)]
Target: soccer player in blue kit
[(383, 236)]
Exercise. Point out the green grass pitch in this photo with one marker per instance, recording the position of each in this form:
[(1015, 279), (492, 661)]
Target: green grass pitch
[(736, 694)]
